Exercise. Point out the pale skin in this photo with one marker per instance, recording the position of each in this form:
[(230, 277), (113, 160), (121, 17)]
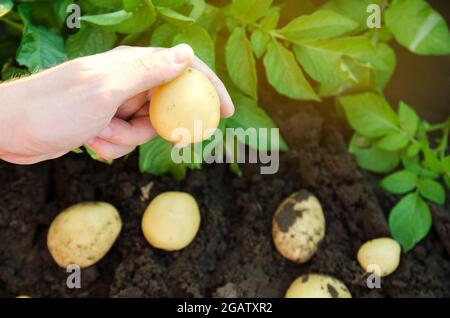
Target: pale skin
[(101, 101)]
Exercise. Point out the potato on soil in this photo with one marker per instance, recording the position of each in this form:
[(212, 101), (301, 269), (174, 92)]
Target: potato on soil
[(317, 286), (171, 221), (298, 226), (380, 256), (181, 103), (83, 233)]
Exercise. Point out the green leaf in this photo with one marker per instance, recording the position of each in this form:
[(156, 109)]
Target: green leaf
[(143, 16), (369, 114), (322, 24), (155, 158), (110, 4), (431, 160), (169, 3), (107, 19), (173, 17), (89, 41), (446, 164), (426, 32), (410, 221), (393, 142), (5, 7), (385, 69), (249, 115), (409, 121), (40, 48), (250, 10), (413, 150), (354, 9), (241, 62), (200, 41), (163, 35), (399, 182), (432, 191), (259, 40), (270, 21), (198, 8), (372, 159), (285, 75)]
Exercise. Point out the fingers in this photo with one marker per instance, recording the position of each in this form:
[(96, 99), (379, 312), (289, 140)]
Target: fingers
[(135, 132), (107, 150), (141, 69), (28, 160), (131, 106), (227, 107)]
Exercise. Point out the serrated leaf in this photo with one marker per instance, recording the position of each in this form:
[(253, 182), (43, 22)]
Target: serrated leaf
[(89, 41), (409, 121), (285, 75), (426, 32), (322, 24), (40, 48), (249, 115), (241, 62), (250, 10), (393, 142), (369, 114), (410, 221), (399, 182), (371, 158), (432, 191), (200, 41)]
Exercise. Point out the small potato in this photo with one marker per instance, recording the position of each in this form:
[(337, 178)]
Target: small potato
[(171, 221), (298, 226), (186, 110), (317, 286), (380, 256), (83, 233)]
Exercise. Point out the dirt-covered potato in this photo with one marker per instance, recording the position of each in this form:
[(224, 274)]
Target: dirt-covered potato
[(317, 286), (83, 233), (171, 221), (380, 256), (191, 98), (298, 226)]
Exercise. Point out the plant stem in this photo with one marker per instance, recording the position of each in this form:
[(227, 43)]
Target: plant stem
[(12, 24), (440, 126)]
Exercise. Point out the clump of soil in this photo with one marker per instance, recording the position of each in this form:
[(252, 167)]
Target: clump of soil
[(233, 254)]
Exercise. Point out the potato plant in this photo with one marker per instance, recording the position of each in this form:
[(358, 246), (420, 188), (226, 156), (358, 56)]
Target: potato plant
[(307, 51)]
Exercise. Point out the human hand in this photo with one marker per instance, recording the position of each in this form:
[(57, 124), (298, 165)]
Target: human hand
[(100, 100)]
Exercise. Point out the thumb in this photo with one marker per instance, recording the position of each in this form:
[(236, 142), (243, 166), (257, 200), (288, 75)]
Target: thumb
[(147, 68)]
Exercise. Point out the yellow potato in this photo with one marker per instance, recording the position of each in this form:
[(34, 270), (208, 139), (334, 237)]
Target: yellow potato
[(298, 227), (317, 286), (186, 110), (171, 221), (380, 256), (83, 233)]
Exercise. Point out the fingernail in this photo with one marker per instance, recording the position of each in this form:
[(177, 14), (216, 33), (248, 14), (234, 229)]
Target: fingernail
[(182, 53), (105, 133)]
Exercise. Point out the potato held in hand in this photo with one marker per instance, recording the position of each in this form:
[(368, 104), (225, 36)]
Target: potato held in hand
[(83, 233), (186, 110), (317, 286)]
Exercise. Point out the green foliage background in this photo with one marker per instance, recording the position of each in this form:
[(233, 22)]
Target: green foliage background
[(308, 52)]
